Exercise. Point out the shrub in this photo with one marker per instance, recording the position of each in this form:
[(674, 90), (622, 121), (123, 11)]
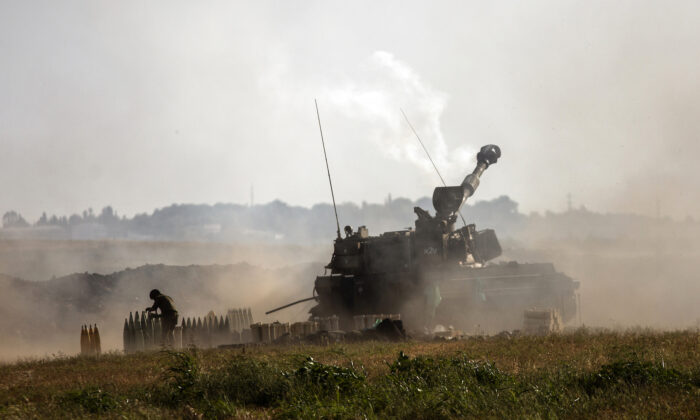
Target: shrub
[(182, 378), (247, 381), (632, 373), (92, 399)]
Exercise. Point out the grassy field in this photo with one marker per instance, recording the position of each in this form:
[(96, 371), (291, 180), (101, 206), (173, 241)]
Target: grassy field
[(582, 374)]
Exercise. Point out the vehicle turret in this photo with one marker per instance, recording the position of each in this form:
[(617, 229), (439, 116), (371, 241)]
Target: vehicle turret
[(436, 238), (436, 273)]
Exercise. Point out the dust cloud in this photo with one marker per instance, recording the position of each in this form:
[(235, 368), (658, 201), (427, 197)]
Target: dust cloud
[(650, 279), (39, 260), (42, 318), (644, 275)]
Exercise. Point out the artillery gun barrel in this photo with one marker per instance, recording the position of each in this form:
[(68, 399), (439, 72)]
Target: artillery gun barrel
[(290, 304), (448, 200), (488, 155)]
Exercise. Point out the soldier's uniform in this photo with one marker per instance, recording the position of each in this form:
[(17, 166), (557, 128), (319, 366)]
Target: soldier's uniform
[(168, 314)]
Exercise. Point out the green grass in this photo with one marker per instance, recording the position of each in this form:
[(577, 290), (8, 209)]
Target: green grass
[(583, 374)]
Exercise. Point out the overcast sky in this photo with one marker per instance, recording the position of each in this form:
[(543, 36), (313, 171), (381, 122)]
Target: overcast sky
[(140, 104)]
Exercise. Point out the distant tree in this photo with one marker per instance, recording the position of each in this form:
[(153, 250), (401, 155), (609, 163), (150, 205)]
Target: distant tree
[(88, 215), (12, 219), (75, 220), (108, 216), (43, 220)]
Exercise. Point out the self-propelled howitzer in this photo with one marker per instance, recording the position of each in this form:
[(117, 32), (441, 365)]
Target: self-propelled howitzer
[(436, 273)]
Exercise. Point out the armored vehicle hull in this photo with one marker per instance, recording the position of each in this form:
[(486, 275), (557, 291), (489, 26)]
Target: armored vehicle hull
[(488, 299), (494, 298)]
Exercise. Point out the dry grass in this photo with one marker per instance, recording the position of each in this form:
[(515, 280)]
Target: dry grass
[(136, 386)]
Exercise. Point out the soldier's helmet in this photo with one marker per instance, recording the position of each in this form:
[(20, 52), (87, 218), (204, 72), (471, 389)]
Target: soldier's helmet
[(154, 293)]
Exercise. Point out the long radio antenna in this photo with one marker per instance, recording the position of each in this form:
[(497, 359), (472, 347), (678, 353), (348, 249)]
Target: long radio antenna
[(423, 146), (429, 158), (325, 156)]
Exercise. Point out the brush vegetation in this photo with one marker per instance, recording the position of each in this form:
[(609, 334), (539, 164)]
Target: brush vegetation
[(582, 374)]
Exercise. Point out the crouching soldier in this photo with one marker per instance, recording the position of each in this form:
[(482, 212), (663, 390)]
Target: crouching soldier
[(168, 315)]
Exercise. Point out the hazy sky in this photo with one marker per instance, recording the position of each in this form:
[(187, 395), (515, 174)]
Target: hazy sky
[(140, 104)]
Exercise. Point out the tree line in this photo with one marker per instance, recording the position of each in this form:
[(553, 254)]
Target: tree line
[(280, 222)]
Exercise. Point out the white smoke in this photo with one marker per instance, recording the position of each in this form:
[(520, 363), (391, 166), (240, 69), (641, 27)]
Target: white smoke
[(368, 98), (375, 95)]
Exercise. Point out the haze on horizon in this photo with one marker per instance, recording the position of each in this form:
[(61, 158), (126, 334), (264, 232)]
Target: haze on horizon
[(139, 105)]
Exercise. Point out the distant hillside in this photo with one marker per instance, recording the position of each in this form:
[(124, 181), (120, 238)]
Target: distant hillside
[(38, 317), (39, 260)]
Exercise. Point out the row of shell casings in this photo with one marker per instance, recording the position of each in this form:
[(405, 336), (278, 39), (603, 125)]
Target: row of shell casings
[(206, 332), (328, 323), (142, 332), (268, 332), (90, 342), (240, 318)]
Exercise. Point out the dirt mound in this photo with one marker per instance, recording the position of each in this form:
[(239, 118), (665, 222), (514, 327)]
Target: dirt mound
[(37, 318)]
